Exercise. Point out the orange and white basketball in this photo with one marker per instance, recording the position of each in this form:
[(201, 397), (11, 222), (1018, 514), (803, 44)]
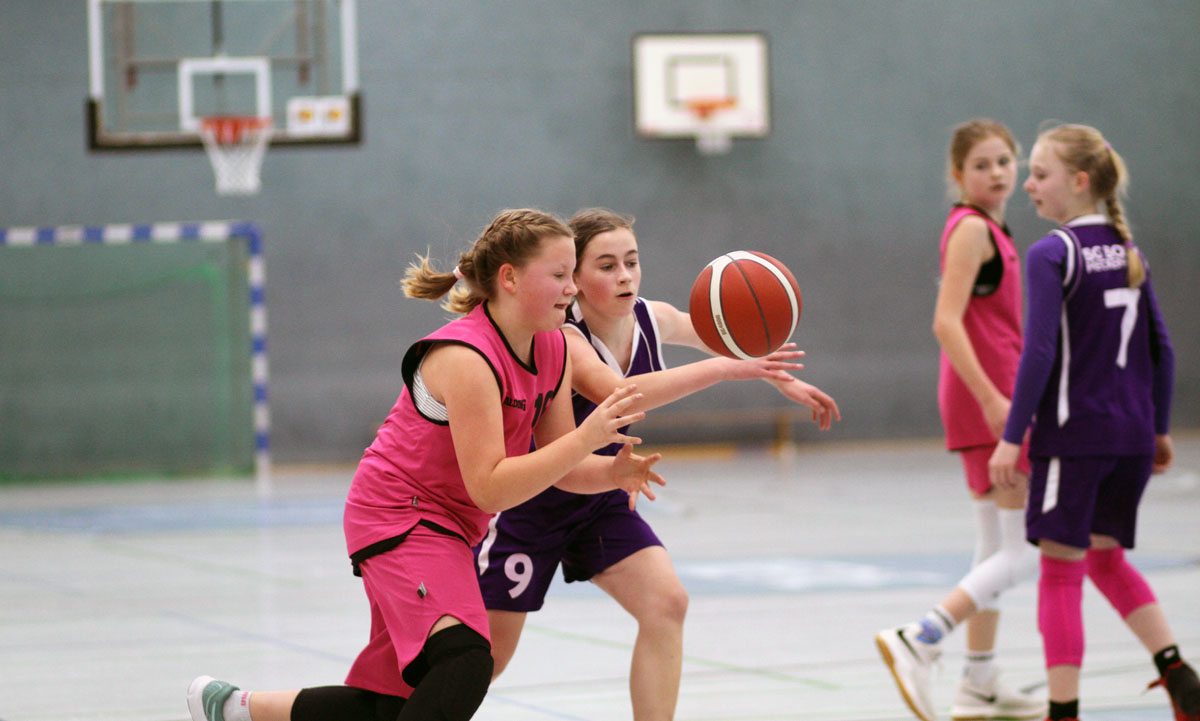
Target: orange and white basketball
[(745, 304)]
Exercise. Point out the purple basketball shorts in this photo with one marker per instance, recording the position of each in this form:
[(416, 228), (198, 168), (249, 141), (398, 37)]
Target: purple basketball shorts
[(524, 545), (1073, 497)]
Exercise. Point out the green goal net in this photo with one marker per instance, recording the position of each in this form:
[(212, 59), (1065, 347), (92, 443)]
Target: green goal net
[(131, 351)]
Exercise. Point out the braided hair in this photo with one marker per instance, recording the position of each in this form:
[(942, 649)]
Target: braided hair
[(512, 237)]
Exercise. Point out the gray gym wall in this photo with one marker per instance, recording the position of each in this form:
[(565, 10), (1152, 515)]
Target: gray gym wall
[(472, 107)]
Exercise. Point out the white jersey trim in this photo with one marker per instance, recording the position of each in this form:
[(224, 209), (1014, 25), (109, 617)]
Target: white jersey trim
[(429, 406), (1089, 219), (658, 354), (485, 547), (1064, 373), (1069, 275), (1053, 473), (638, 336)]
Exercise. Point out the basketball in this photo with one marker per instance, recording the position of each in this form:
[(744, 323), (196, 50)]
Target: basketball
[(745, 304)]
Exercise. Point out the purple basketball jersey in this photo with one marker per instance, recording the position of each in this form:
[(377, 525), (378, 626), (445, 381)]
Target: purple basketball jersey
[(646, 357), (586, 534), (1098, 366)]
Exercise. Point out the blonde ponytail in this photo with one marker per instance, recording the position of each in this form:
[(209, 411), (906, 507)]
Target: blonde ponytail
[(512, 237), (1083, 148), (422, 280)]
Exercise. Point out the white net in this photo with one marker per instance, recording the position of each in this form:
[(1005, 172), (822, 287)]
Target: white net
[(236, 145), (712, 140), (712, 136)]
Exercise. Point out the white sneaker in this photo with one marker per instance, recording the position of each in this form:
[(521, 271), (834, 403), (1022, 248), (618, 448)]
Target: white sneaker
[(910, 662), (206, 698), (995, 702)]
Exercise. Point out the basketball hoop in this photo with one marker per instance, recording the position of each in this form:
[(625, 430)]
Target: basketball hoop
[(711, 139), (236, 144)]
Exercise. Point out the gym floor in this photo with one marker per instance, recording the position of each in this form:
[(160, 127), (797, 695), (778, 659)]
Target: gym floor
[(113, 596)]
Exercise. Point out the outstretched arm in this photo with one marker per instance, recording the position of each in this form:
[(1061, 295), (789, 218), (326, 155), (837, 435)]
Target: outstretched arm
[(595, 380), (675, 326), (462, 380), (598, 473), (824, 409)]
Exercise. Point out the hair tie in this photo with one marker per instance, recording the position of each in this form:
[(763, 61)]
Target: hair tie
[(457, 273)]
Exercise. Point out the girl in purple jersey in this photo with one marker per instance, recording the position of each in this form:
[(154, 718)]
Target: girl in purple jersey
[(454, 450), (977, 322), (614, 339), (1097, 370)]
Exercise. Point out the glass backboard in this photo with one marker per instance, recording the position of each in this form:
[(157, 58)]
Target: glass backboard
[(157, 68)]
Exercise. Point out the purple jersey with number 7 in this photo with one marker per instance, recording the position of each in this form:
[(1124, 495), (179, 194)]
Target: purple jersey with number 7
[(1097, 370)]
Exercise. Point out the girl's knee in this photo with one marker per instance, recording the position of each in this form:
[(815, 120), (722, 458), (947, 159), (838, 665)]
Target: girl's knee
[(671, 605)]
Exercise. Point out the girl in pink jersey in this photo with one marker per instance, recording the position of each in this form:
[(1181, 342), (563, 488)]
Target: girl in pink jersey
[(453, 451), (977, 322)]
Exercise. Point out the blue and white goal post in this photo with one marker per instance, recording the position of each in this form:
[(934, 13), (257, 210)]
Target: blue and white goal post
[(47, 322)]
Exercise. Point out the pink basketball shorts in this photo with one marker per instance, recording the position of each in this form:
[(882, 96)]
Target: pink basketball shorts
[(975, 463)]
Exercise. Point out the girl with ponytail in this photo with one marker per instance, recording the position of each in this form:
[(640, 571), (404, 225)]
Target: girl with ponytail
[(453, 452), (1095, 383)]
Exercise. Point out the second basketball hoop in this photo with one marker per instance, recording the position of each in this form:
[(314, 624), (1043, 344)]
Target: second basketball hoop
[(709, 86), (711, 137)]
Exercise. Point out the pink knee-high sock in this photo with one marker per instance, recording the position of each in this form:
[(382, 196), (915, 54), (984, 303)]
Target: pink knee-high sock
[(1060, 611), (1122, 584)]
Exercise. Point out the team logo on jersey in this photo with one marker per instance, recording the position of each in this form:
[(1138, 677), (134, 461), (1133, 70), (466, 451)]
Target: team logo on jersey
[(1099, 258)]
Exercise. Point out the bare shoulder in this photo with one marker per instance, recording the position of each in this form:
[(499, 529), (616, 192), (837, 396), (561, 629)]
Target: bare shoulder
[(970, 240), (971, 226), (666, 315), (576, 342), (675, 326)]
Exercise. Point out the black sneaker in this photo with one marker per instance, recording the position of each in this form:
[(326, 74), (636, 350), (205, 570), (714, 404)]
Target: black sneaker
[(1183, 687)]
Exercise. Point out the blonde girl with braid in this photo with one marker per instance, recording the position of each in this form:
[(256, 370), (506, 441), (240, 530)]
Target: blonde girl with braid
[(455, 450), (1094, 383)]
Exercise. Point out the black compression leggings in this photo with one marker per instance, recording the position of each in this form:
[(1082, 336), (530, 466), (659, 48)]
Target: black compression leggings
[(452, 676)]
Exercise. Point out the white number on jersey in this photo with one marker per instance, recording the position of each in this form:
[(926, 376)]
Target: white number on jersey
[(1128, 297), (520, 576)]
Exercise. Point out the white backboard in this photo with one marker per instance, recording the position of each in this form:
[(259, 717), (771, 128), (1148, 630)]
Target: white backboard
[(673, 73)]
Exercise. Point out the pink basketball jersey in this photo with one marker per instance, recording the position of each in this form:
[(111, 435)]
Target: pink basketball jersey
[(993, 324), (410, 472)]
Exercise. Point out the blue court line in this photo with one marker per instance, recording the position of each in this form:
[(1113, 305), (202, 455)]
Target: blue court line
[(272, 641), (216, 515), (759, 575), (813, 574)]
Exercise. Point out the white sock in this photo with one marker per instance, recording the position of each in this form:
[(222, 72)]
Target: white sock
[(936, 625), (237, 706), (980, 669)]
